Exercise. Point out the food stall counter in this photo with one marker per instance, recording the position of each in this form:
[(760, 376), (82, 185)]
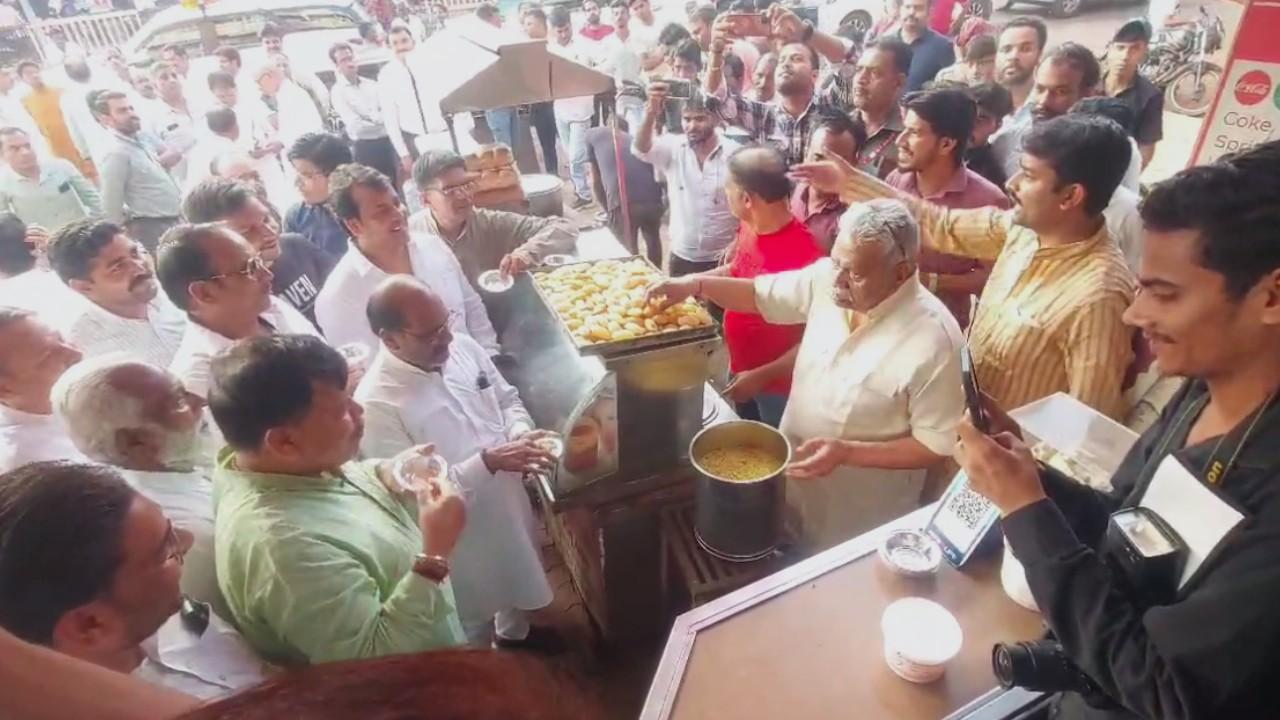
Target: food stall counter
[(806, 642)]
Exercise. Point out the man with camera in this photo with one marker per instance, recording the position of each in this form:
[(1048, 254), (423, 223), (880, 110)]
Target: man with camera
[(788, 120), (1160, 595)]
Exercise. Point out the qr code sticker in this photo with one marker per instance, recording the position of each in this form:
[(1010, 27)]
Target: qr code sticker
[(969, 507)]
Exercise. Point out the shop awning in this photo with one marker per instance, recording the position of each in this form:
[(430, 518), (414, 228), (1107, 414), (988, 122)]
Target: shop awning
[(483, 69)]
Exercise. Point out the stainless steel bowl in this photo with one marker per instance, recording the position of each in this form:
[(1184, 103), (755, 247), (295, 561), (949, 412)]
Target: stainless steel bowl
[(911, 553)]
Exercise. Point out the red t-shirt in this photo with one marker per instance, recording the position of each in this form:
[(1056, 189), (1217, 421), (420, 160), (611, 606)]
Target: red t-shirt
[(596, 33), (752, 341)]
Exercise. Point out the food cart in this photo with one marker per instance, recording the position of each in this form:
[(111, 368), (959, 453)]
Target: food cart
[(806, 641), (627, 411)]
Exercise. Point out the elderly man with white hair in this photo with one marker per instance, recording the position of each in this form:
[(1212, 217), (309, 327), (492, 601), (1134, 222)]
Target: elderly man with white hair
[(139, 418), (876, 393)]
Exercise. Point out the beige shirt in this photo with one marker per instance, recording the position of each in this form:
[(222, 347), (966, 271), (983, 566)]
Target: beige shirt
[(896, 375)]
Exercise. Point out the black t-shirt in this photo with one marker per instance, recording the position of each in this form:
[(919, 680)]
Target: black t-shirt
[(300, 272), (1147, 102)]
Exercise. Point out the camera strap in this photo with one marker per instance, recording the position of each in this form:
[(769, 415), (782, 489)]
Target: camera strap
[(1229, 446)]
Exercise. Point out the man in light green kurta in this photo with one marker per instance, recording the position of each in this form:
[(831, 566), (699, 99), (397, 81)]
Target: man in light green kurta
[(318, 560)]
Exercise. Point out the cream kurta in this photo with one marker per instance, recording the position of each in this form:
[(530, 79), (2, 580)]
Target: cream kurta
[(465, 408), (897, 375)]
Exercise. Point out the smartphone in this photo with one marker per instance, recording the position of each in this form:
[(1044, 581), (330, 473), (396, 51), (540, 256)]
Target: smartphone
[(747, 25), (972, 393), (678, 89)]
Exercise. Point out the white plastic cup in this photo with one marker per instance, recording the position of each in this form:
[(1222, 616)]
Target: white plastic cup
[(416, 472), (920, 638), (1013, 578)]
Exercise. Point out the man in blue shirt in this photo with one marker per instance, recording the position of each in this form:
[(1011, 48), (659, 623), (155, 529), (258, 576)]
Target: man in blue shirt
[(314, 156), (930, 52)]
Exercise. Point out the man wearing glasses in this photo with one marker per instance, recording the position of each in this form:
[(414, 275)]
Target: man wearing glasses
[(224, 286), (876, 393), (481, 239)]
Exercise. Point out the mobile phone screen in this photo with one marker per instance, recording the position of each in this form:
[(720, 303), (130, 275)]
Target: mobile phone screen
[(972, 393), (749, 24)]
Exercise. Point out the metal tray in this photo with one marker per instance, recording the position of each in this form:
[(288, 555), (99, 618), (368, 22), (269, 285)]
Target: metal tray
[(620, 347)]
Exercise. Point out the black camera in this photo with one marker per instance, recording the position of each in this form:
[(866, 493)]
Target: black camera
[(1042, 666)]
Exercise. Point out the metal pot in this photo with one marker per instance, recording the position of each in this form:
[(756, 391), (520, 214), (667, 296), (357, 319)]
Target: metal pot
[(734, 520)]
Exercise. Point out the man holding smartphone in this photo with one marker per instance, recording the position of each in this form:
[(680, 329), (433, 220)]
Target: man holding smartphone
[(788, 120), (696, 165), (1210, 309)]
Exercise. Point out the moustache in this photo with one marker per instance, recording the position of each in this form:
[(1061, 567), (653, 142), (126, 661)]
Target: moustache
[(140, 280)]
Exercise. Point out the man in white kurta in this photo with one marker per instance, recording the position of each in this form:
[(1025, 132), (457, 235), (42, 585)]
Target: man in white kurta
[(876, 393), (382, 246), (32, 357), (138, 418), (425, 387)]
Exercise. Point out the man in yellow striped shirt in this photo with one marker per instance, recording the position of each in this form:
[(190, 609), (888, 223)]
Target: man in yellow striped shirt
[(1050, 316)]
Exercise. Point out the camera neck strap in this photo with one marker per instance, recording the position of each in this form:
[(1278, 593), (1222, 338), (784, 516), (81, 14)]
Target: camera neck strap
[(1228, 447)]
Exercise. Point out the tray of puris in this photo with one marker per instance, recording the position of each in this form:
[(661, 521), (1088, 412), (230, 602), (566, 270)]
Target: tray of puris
[(602, 306)]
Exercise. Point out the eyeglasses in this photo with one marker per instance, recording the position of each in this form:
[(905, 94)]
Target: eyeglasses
[(253, 266), (457, 191), (431, 335)]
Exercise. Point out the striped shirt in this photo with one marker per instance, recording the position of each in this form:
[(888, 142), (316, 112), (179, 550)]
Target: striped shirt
[(1050, 317)]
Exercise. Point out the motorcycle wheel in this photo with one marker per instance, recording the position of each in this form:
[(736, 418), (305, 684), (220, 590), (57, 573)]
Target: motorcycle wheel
[(859, 20), (1187, 97), (981, 8), (1065, 8)]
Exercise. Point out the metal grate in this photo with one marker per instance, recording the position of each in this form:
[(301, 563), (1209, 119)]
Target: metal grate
[(703, 575)]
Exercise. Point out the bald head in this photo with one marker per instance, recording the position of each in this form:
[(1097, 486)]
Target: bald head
[(761, 171), (411, 320), (129, 414)]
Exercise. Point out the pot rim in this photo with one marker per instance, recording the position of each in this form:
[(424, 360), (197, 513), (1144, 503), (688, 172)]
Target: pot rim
[(712, 476)]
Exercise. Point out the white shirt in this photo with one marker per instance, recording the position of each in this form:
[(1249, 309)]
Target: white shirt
[(574, 109), (215, 663), (701, 224), (187, 500), (358, 106), (43, 292), (200, 344), (411, 103), (177, 132), (621, 60), (153, 340), (1124, 225), (463, 409), (91, 139), (297, 115), (340, 307), (1133, 174), (27, 438), (897, 375), (13, 114)]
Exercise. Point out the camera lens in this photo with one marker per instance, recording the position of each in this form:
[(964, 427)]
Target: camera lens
[(1010, 663), (1041, 666)]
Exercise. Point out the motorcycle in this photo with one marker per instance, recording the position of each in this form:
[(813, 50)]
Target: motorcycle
[(1177, 64)]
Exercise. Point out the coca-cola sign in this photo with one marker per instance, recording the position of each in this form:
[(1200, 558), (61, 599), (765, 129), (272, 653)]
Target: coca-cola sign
[(1253, 87)]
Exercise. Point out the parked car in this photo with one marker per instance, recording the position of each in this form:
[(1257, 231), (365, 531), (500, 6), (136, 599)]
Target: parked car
[(311, 29), (860, 15)]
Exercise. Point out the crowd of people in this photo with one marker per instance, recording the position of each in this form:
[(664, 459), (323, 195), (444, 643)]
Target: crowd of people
[(224, 334)]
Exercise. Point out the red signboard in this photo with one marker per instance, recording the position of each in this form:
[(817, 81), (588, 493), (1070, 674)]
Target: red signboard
[(1246, 111)]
